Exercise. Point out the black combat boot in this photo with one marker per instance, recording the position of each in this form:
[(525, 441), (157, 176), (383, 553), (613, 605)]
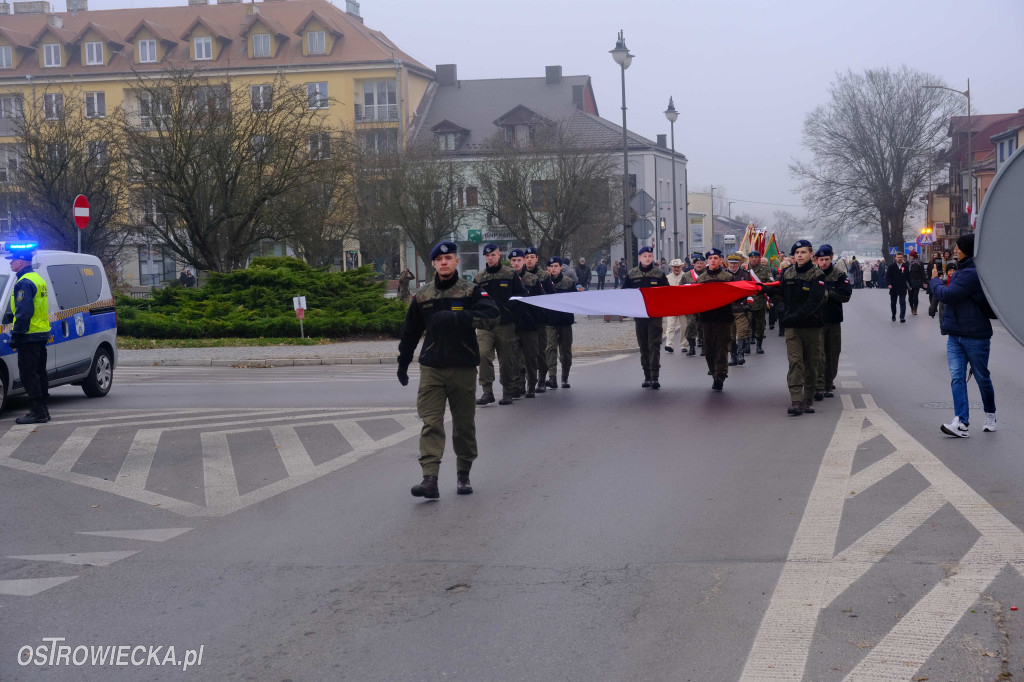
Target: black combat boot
[(485, 398), (733, 359), (38, 415), (427, 489), (565, 382), (741, 351), (808, 406), (647, 380), (796, 408), (693, 347), (464, 488), (746, 345), (760, 351), (541, 388), (506, 399), (819, 395), (830, 392), (530, 392), (551, 383), (717, 384), (655, 384), (670, 349)]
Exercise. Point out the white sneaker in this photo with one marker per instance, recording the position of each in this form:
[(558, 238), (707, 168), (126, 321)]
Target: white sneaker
[(990, 422), (956, 429)]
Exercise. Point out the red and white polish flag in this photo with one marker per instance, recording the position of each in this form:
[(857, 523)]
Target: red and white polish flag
[(650, 302)]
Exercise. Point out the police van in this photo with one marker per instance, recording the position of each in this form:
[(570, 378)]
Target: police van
[(82, 349)]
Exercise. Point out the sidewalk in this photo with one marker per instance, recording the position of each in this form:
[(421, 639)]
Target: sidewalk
[(591, 336)]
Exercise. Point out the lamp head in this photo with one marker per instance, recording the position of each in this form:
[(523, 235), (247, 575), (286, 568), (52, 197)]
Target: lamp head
[(671, 114), (621, 53)]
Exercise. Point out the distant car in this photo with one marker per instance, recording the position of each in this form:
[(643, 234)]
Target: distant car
[(83, 324)]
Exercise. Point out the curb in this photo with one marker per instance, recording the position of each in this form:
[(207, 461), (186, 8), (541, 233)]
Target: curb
[(305, 362)]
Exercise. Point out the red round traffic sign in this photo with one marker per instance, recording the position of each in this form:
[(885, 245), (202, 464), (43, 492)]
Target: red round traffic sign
[(81, 211)]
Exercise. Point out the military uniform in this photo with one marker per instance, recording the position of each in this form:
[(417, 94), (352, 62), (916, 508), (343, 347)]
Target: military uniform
[(838, 291), (30, 312), (716, 326), (648, 330), (757, 309), (533, 334), (694, 333), (559, 335), (443, 312), (803, 290), (740, 319), (501, 283)]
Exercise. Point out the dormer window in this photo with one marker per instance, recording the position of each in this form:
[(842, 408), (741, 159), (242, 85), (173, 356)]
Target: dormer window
[(6, 57), (519, 136), (203, 47), (51, 54), (261, 45), (94, 53), (316, 42), (147, 51), (448, 142)]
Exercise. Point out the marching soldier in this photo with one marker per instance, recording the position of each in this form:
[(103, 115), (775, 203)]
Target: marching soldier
[(559, 341), (30, 313), (501, 283), (445, 310), (803, 289), (534, 334), (838, 291), (740, 311), (716, 324), (648, 330), (763, 273), (694, 333), (675, 324)]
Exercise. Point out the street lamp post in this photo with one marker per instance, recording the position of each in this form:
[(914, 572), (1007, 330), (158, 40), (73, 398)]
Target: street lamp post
[(623, 58), (970, 162), (671, 114)]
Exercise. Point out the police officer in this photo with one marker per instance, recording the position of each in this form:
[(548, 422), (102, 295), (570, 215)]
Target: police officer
[(803, 289), (501, 283), (740, 311), (445, 309), (694, 334), (760, 270), (838, 291), (648, 330), (559, 342), (30, 312), (537, 282), (674, 324), (716, 324)]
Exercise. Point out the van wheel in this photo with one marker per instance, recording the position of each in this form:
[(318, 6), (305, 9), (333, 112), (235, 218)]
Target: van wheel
[(101, 375), (3, 392)]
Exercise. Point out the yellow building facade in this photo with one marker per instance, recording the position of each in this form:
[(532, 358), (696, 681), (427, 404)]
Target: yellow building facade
[(368, 86)]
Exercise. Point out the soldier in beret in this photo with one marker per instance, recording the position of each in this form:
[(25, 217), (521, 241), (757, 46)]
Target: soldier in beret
[(501, 283), (648, 330), (760, 270), (694, 333), (534, 331), (717, 324), (838, 291), (443, 312), (740, 311), (803, 289), (559, 341)]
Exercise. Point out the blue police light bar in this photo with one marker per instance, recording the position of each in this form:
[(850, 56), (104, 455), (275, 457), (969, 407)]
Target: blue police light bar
[(21, 246)]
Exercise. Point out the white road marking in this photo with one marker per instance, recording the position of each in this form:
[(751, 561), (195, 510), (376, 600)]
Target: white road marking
[(72, 448), (135, 468), (27, 587), (79, 558), (293, 452), (218, 469), (814, 575), (846, 373), (147, 534), (851, 384)]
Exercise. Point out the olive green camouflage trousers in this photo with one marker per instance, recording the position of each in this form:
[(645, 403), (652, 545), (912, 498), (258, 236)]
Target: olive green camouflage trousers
[(455, 386)]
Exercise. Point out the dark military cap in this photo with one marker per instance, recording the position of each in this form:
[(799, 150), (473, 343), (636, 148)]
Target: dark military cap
[(698, 257), (516, 253), (531, 249), (488, 248), (554, 259), (645, 249), (824, 250), (735, 257), (713, 252), (799, 244), (755, 253), (442, 248)]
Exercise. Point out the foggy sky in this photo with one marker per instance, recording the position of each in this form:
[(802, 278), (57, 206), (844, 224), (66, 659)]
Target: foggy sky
[(744, 73)]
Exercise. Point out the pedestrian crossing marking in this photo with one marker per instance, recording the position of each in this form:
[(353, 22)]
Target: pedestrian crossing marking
[(814, 575), (27, 587), (147, 534), (78, 558)]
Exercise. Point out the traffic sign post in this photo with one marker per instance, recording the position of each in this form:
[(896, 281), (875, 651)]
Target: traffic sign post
[(80, 212), (299, 303)]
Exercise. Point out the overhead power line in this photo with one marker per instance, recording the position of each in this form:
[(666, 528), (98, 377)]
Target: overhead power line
[(764, 203)]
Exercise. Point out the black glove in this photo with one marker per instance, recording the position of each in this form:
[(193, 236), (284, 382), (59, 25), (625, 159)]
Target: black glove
[(788, 319), (403, 375), (16, 339), (443, 317)]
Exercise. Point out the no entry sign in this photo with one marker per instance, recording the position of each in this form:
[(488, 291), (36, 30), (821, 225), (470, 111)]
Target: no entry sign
[(81, 211)]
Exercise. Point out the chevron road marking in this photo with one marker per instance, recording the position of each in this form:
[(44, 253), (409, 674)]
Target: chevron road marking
[(78, 558), (27, 587), (814, 575)]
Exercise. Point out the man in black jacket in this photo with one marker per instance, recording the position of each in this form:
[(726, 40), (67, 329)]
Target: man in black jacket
[(838, 291), (803, 289), (916, 278), (648, 329), (442, 312), (716, 324), (497, 337), (896, 277)]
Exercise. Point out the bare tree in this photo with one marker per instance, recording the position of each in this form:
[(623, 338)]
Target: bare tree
[(210, 156), (874, 146), (67, 144), (788, 228), (554, 194)]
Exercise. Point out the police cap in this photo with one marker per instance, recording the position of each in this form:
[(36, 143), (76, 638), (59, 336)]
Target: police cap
[(20, 251)]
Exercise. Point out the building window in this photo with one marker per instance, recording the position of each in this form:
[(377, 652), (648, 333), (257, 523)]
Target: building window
[(51, 54), (156, 264), (380, 102), (472, 196), (519, 136), (93, 53), (95, 105), (260, 147), (203, 46), (153, 109), (316, 95), (6, 57), (261, 97), (8, 163), (147, 51), (320, 146), (53, 106), (10, 106), (261, 45), (98, 152), (316, 42), (542, 194), (380, 141), (447, 141)]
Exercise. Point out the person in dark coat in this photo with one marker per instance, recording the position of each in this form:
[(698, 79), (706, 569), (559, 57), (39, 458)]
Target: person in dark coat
[(583, 274), (897, 278), (968, 337), (915, 281), (602, 273), (856, 273)]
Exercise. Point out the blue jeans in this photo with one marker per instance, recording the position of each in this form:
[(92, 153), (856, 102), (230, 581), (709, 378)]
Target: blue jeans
[(961, 350)]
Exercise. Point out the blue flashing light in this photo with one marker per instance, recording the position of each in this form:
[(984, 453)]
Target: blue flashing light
[(22, 246)]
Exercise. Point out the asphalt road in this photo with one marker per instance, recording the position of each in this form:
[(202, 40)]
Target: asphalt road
[(616, 533)]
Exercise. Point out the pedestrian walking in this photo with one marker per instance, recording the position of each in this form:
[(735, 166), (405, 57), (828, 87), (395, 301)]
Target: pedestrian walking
[(838, 291), (916, 278), (856, 273), (676, 323), (29, 311), (602, 273), (442, 313), (496, 336), (803, 289), (716, 324), (583, 274), (623, 271), (896, 276), (559, 327), (968, 338), (648, 329)]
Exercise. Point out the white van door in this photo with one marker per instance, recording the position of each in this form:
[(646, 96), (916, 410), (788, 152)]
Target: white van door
[(72, 348)]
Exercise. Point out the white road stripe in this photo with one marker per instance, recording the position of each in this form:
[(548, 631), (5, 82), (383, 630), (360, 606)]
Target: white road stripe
[(135, 469), (147, 534), (28, 587), (14, 438), (218, 470), (78, 558), (870, 475), (72, 448), (293, 453), (851, 384)]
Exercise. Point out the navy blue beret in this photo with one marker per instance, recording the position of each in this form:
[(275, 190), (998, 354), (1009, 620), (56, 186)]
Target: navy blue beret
[(799, 244), (713, 252), (554, 259), (694, 257), (516, 253), (444, 247), (645, 249), (531, 249), (824, 250), (488, 248), (755, 254)]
